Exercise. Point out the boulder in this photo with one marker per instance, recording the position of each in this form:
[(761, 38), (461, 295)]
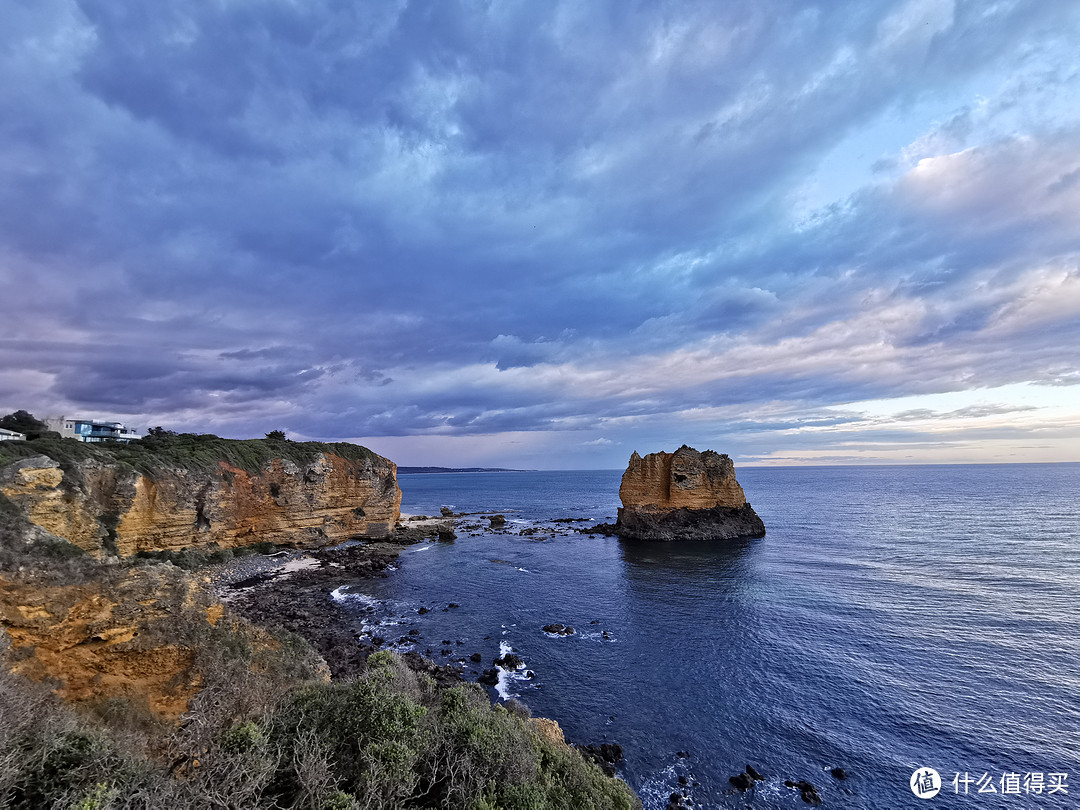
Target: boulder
[(806, 790), (558, 629), (685, 495)]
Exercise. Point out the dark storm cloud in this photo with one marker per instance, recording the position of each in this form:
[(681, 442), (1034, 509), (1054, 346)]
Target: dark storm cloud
[(361, 219)]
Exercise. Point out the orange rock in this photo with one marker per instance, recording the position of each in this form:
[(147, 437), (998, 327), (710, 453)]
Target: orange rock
[(683, 479), (106, 509), (684, 495)]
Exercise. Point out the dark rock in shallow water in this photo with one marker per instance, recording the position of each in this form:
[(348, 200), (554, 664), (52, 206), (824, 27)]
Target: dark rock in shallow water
[(806, 790), (446, 511), (742, 781), (497, 521), (839, 773), (489, 677), (752, 772), (558, 629), (447, 534), (476, 658), (717, 523), (606, 529), (509, 661)]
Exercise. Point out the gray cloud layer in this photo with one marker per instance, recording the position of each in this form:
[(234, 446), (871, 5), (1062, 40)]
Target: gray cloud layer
[(372, 220)]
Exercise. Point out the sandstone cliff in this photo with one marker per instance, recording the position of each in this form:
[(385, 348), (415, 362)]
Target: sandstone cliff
[(684, 495), (108, 506), (136, 634)]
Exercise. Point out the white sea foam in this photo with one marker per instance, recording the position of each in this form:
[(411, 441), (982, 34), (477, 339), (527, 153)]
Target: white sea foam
[(343, 594), (657, 788), (508, 676)]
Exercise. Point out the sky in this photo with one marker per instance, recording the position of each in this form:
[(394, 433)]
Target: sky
[(548, 234)]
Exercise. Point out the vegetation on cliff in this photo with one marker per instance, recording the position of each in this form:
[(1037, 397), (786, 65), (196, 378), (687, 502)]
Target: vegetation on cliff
[(267, 738), (169, 451)]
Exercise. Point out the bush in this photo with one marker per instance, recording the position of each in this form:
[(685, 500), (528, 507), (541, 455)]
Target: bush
[(389, 738)]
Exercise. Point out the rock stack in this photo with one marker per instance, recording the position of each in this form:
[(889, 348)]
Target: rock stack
[(685, 495)]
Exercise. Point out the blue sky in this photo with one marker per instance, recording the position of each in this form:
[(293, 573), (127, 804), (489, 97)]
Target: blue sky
[(547, 234)]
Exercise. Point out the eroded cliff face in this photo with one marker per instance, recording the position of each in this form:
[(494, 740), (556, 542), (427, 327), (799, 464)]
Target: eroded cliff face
[(134, 633), (683, 479), (684, 495), (106, 509), (116, 639)]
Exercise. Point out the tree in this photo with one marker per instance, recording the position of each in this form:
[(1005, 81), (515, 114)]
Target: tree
[(160, 431), (24, 422), (277, 435)]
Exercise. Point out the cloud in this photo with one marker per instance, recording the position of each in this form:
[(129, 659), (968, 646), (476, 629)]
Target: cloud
[(472, 220)]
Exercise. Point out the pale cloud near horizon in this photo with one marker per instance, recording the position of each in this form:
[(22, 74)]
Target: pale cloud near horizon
[(545, 236)]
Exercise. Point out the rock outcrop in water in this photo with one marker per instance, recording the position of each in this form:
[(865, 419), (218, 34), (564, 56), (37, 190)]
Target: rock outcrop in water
[(108, 507), (685, 495)]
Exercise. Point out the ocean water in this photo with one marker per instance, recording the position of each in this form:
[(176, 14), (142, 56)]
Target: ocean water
[(893, 618)]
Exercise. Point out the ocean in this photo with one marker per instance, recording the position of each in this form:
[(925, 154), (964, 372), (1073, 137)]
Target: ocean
[(894, 619)]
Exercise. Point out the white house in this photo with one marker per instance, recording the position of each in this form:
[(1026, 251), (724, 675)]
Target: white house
[(92, 430), (11, 436)]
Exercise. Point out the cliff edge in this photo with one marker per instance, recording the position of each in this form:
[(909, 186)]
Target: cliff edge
[(685, 495), (196, 492)]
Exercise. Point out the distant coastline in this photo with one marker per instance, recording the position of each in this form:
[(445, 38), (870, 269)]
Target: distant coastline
[(416, 470)]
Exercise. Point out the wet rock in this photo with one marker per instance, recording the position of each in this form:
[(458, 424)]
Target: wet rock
[(606, 529), (446, 511), (508, 661), (423, 610), (752, 772), (497, 521), (447, 534), (414, 632), (675, 801), (476, 658), (806, 790), (558, 629), (742, 781), (453, 605), (489, 677), (839, 773)]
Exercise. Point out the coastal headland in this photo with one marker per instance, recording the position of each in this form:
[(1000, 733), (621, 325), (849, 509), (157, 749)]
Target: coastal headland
[(129, 681)]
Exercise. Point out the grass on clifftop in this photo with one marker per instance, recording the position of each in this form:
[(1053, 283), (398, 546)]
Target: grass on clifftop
[(180, 451)]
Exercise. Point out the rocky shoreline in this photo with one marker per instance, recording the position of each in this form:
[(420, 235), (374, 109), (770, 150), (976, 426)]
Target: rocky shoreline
[(292, 589)]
